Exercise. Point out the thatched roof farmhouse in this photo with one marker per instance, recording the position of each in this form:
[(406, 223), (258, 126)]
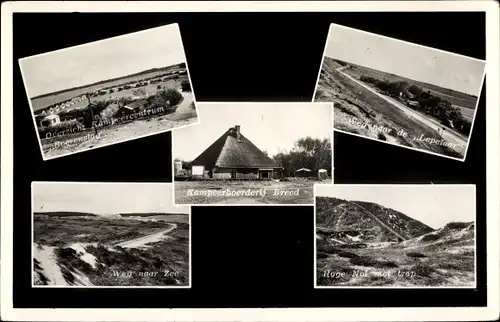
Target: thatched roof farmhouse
[(233, 156)]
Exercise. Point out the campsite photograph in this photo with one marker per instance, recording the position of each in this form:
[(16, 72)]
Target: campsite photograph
[(251, 153), (109, 91), (395, 236), (92, 235), (400, 93)]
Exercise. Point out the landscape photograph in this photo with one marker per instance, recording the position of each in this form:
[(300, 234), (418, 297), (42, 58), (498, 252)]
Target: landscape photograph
[(395, 236), (109, 91), (253, 153), (109, 235), (400, 93)]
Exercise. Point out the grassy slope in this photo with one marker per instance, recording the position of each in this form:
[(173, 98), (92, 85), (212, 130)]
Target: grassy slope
[(351, 100), (455, 97)]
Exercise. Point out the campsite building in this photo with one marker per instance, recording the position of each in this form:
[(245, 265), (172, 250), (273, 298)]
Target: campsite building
[(303, 173), (133, 107), (233, 156), (50, 120)]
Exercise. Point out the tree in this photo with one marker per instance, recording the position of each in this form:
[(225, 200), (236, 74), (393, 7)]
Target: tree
[(307, 153), (186, 86)]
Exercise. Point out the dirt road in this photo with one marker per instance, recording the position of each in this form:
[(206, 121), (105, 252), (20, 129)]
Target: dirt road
[(460, 142), (141, 241)]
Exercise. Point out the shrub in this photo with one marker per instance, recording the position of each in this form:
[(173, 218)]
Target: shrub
[(342, 253), (386, 264), (186, 86), (381, 136), (430, 237), (171, 95), (65, 126), (457, 225), (363, 261), (415, 255), (423, 270)]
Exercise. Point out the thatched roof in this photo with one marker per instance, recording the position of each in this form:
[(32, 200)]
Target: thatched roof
[(233, 150)]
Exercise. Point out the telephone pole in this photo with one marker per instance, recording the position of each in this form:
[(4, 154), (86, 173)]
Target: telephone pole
[(91, 113)]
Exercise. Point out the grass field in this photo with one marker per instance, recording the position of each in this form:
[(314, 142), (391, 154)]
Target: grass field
[(47, 100), (265, 192), (82, 250), (354, 106)]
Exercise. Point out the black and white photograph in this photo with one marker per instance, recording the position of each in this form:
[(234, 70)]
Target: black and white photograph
[(109, 91), (400, 93), (109, 235), (395, 236), (253, 153)]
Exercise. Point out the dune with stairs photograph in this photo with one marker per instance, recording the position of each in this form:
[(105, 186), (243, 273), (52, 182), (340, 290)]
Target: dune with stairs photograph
[(109, 235), (109, 91), (253, 153), (399, 236), (400, 93)]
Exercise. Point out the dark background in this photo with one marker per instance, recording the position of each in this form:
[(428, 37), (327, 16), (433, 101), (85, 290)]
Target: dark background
[(244, 256)]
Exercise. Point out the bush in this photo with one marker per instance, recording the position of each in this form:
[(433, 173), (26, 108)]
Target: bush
[(363, 261), (171, 95), (423, 270), (381, 136), (430, 237), (186, 86)]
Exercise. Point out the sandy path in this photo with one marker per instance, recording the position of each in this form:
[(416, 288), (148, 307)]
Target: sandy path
[(51, 270), (184, 110), (461, 143), (141, 241)]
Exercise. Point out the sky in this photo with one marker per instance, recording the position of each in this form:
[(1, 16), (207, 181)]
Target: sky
[(106, 198), (272, 127), (405, 59), (101, 60), (433, 205)]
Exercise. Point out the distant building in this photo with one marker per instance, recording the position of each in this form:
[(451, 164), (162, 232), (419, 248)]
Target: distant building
[(178, 166), (133, 107), (303, 172), (233, 156), (323, 174), (50, 120)]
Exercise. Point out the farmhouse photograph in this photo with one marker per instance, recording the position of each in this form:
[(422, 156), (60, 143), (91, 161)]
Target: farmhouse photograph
[(400, 93), (395, 236), (253, 153), (109, 91), (109, 234)]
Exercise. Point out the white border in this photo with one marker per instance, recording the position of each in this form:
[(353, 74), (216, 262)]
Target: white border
[(96, 286), (413, 44), (120, 141), (490, 312), (201, 104), (431, 186)]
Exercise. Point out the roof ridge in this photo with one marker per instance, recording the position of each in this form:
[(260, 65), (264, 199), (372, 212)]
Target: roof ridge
[(226, 135)]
